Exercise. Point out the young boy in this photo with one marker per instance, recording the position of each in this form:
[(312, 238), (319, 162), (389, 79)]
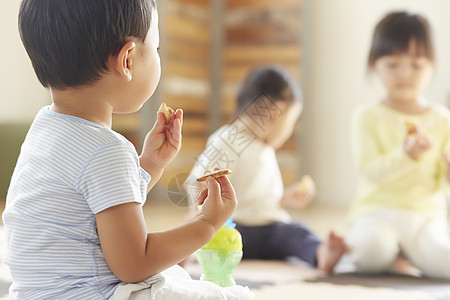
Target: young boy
[(73, 219), (269, 104)]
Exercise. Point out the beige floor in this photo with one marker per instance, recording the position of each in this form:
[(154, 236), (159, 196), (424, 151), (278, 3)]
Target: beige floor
[(161, 215), (280, 280), (284, 281)]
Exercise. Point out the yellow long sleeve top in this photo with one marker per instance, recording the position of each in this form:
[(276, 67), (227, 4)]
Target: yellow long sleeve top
[(388, 178)]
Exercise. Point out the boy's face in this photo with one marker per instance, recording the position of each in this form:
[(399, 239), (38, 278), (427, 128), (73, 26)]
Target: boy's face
[(146, 70), (283, 125)]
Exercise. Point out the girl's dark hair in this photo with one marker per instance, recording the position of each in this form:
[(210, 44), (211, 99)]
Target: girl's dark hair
[(394, 33), (69, 41), (271, 81)]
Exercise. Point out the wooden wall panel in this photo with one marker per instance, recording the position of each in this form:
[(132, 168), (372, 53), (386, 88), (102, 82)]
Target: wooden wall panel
[(234, 72), (200, 3), (260, 32), (177, 49), (184, 29), (255, 32), (185, 68), (192, 105), (238, 54), (263, 4), (186, 75)]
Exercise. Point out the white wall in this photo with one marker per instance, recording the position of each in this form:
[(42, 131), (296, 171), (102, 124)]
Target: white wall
[(21, 94), (338, 37)]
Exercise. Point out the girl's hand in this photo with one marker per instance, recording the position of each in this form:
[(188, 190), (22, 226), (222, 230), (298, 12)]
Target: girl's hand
[(163, 142), (447, 162), (218, 201), (417, 144), (296, 197)]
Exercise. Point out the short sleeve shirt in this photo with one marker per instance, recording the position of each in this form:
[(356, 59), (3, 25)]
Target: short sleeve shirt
[(68, 170)]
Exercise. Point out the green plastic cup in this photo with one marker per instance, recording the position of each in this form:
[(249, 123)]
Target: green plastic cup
[(220, 256)]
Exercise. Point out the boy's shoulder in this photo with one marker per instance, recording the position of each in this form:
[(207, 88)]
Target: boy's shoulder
[(235, 138), (219, 137), (71, 129)]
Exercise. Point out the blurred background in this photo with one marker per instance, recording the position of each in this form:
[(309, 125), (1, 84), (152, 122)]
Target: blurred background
[(208, 46)]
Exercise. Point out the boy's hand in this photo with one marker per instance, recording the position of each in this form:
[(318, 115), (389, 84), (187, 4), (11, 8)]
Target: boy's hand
[(218, 201), (163, 142), (297, 197)]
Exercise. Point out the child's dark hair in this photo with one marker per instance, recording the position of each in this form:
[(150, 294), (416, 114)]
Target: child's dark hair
[(69, 41), (394, 33), (272, 81)]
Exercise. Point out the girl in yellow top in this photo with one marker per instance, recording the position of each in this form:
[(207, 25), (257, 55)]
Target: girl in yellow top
[(400, 146)]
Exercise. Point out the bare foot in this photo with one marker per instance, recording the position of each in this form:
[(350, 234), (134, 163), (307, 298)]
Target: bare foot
[(404, 267), (329, 252)]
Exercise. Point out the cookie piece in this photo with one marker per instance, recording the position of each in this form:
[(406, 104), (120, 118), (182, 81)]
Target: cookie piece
[(215, 174), (168, 112), (411, 127), (306, 184)]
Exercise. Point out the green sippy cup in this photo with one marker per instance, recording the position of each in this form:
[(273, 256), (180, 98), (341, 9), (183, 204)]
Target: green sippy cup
[(219, 257)]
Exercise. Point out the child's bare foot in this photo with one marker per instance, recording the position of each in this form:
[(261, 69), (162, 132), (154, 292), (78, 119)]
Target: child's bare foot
[(329, 252), (404, 267)]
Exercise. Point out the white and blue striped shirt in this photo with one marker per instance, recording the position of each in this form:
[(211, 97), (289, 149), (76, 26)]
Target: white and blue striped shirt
[(69, 169)]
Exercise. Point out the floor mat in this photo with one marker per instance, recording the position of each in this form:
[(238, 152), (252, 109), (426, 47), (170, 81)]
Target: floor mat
[(294, 280)]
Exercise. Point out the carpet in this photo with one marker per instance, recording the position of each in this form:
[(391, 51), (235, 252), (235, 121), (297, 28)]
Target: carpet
[(294, 280)]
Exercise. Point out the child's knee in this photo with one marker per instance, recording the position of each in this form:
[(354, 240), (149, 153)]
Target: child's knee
[(374, 256), (437, 265), (431, 252), (372, 250)]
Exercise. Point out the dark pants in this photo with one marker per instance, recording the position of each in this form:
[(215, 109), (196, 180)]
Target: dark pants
[(279, 241)]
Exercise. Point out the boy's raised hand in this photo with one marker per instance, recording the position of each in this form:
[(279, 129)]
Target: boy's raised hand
[(161, 144), (218, 201), (297, 197)]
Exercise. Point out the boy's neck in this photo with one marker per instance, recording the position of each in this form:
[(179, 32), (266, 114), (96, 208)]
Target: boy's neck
[(250, 124), (88, 102)]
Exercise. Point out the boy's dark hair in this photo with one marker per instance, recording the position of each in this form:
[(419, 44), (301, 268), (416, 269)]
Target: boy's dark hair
[(394, 33), (69, 41), (270, 81)]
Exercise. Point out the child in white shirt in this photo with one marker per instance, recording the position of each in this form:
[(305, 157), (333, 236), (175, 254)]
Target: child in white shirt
[(268, 107)]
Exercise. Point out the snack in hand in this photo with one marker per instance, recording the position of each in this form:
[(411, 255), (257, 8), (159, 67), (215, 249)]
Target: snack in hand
[(215, 174), (306, 184), (168, 112), (411, 127)]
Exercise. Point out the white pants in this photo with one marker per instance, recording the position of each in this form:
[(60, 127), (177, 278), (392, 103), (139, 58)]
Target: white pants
[(376, 240), (176, 284)]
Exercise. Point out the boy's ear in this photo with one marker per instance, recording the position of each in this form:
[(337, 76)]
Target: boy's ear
[(124, 60), (280, 106), (283, 105)]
